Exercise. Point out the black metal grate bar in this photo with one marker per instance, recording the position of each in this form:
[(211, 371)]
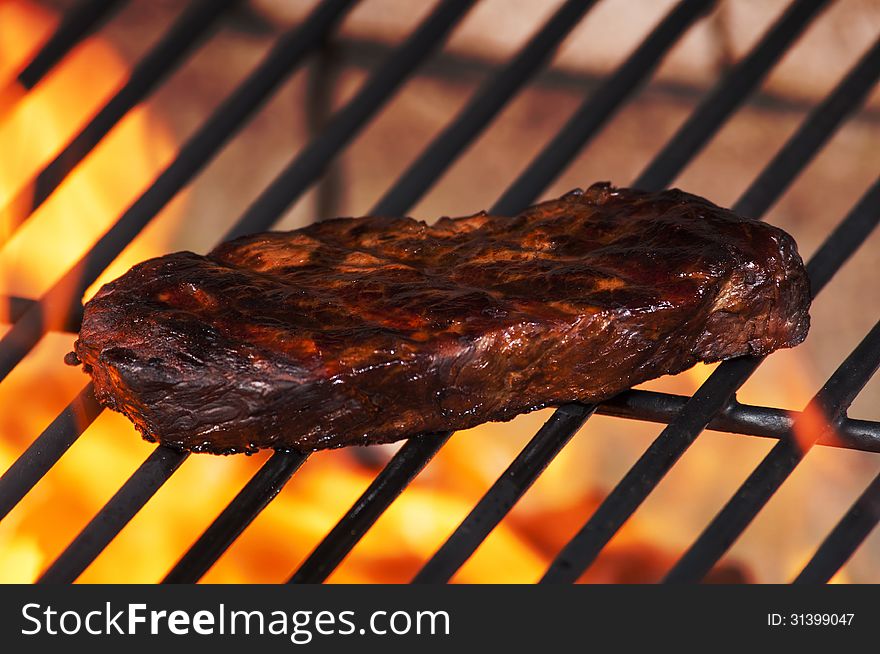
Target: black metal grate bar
[(812, 135), (250, 501), (408, 462), (592, 115), (505, 492), (61, 302), (117, 513), (653, 47), (708, 401), (480, 110), (348, 121), (190, 29), (79, 22), (47, 449), (16, 306), (827, 408), (288, 186), (82, 20), (845, 538), (843, 241), (737, 418), (740, 81)]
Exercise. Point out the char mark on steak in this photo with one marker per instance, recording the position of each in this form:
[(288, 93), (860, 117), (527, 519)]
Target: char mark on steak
[(368, 330)]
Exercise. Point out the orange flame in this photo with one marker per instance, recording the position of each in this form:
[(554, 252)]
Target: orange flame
[(37, 530), (35, 126), (811, 425), (98, 190)]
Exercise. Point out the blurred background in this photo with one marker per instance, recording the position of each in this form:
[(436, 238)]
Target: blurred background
[(774, 548)]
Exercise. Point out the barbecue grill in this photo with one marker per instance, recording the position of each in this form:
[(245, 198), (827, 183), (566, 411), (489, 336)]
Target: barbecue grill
[(713, 406)]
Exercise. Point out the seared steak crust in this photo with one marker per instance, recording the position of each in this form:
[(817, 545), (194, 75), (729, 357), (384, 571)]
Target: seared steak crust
[(368, 330)]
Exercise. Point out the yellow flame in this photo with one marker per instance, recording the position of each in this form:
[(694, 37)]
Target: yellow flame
[(37, 530), (100, 188)]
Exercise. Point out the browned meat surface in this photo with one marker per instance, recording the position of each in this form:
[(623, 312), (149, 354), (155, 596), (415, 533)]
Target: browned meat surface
[(368, 330)]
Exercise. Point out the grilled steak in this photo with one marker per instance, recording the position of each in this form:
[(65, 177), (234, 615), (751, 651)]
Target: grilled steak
[(368, 330)]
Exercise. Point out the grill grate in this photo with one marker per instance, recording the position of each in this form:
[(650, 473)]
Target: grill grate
[(714, 405), (831, 403)]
